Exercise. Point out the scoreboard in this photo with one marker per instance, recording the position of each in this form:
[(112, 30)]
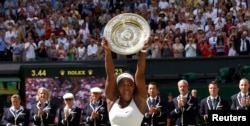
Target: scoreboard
[(60, 79), (48, 71)]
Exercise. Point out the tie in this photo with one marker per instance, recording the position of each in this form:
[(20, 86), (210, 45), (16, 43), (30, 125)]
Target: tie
[(245, 97), (95, 105), (153, 102), (243, 46), (214, 103)]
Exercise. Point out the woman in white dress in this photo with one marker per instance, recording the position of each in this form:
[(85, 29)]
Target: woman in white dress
[(81, 53), (125, 95)]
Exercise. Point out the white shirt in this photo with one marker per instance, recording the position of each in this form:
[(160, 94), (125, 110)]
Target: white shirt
[(212, 41), (163, 4), (62, 40), (151, 98), (185, 96), (232, 52), (81, 52), (85, 32), (9, 34), (214, 97), (243, 95), (212, 2), (30, 52), (211, 14), (92, 49), (181, 25), (243, 44)]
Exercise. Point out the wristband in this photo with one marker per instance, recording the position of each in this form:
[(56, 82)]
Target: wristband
[(143, 50)]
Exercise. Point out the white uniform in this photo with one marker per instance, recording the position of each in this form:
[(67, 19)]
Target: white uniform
[(128, 116)]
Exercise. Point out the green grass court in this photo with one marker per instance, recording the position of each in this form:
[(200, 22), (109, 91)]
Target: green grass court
[(10, 88)]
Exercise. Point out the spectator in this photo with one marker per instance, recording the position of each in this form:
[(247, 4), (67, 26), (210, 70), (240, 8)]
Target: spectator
[(70, 31), (21, 116), (220, 45), (242, 45), (156, 109), (178, 48), (2, 10), (166, 49), (190, 48), (43, 112), (95, 111), (21, 10), (30, 29), (70, 115), (81, 53), (213, 102), (2, 45), (163, 4), (53, 53), (212, 42), (62, 54), (185, 106), (83, 33), (30, 49), (8, 52), (63, 40), (42, 52), (10, 33), (92, 49), (204, 47), (40, 31), (17, 50), (156, 47), (71, 52), (240, 101), (11, 12), (8, 21)]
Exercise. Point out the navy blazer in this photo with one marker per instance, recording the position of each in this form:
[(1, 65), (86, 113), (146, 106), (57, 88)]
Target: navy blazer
[(159, 118), (101, 109), (206, 104), (48, 117), (73, 118), (237, 45), (185, 116), (236, 102), (20, 118)]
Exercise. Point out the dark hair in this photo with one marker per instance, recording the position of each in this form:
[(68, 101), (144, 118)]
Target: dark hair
[(153, 83), (214, 82)]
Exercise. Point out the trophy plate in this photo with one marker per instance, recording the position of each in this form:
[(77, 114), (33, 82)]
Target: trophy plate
[(126, 33)]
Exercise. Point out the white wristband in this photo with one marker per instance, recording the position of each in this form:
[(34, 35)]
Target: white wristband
[(143, 50)]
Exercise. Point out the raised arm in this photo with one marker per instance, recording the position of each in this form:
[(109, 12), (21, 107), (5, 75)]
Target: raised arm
[(111, 91), (141, 93)]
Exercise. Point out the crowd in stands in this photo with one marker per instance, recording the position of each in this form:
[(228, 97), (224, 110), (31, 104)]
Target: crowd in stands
[(70, 30)]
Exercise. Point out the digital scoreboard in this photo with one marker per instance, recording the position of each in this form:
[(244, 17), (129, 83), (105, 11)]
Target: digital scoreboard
[(60, 79)]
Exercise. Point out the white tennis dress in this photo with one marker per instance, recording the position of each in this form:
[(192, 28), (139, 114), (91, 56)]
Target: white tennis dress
[(128, 116)]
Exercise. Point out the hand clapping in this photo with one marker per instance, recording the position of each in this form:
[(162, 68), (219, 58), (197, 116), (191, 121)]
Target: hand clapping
[(95, 115)]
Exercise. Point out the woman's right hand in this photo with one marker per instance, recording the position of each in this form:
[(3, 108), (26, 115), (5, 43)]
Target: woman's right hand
[(40, 112)]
